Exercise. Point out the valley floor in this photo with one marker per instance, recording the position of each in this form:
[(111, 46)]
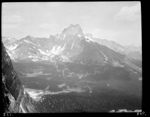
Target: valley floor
[(85, 96), (85, 102)]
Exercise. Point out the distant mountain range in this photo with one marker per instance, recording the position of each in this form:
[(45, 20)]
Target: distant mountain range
[(72, 46), (66, 45), (130, 51)]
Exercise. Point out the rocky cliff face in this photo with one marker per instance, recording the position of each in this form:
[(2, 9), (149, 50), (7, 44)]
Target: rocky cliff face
[(14, 98)]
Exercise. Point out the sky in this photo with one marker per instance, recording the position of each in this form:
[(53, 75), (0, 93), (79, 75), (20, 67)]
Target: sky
[(116, 21)]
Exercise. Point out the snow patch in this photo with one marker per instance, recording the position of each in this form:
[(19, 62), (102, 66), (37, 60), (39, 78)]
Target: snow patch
[(104, 56), (64, 37), (65, 58), (42, 52), (27, 41), (79, 35), (72, 89), (140, 78), (30, 42), (34, 74), (80, 76), (34, 59), (57, 50), (12, 47), (88, 39), (30, 56), (72, 45), (63, 46), (62, 85), (35, 94)]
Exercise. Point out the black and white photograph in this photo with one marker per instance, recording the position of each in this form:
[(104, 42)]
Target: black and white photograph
[(71, 57)]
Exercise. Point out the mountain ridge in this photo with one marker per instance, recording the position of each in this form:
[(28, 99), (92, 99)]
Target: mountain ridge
[(74, 32), (70, 46)]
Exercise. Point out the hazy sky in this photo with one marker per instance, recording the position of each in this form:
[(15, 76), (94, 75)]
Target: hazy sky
[(117, 21)]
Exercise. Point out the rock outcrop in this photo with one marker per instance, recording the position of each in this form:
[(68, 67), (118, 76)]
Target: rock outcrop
[(14, 98)]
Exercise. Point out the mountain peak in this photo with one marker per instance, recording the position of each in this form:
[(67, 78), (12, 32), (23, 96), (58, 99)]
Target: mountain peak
[(28, 36), (73, 30), (75, 25)]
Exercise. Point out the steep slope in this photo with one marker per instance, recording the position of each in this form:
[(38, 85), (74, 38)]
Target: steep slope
[(126, 50), (14, 98), (135, 55)]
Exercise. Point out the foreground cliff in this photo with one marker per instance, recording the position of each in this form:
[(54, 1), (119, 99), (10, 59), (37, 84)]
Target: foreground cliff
[(14, 98)]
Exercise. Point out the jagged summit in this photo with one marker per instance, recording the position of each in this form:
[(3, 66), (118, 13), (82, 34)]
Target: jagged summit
[(72, 30), (29, 36), (75, 25)]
